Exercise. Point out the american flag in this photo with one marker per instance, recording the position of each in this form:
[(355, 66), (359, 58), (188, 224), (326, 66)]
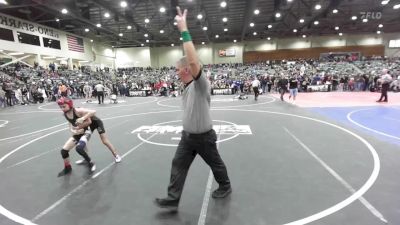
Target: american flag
[(75, 44)]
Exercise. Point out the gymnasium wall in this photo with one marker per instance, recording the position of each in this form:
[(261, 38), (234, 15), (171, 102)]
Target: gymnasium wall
[(310, 53), (166, 56), (238, 58), (104, 56), (205, 53), (101, 56), (391, 52), (311, 47), (133, 57), (19, 25)]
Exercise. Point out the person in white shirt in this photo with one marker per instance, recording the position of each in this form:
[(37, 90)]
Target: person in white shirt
[(18, 95), (255, 84), (43, 92), (87, 90), (100, 92), (386, 79)]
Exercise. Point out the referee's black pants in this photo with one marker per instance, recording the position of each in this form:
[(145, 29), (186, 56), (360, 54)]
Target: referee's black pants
[(190, 145), (385, 88), (256, 92), (282, 91), (100, 96)]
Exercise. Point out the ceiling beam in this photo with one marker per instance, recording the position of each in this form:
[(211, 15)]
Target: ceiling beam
[(52, 8), (127, 18), (332, 4), (250, 8), (133, 5), (203, 10), (305, 4), (39, 16), (52, 20), (288, 12), (16, 6)]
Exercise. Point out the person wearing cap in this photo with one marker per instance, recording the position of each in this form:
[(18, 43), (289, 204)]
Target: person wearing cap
[(385, 80), (198, 135)]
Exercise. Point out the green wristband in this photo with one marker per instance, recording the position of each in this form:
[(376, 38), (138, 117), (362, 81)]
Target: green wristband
[(186, 36)]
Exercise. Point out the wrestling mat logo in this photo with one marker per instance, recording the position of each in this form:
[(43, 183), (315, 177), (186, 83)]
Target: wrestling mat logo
[(169, 135)]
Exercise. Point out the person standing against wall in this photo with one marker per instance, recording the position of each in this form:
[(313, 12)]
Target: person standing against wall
[(198, 136)]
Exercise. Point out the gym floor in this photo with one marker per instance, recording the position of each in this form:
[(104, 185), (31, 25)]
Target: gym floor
[(317, 161)]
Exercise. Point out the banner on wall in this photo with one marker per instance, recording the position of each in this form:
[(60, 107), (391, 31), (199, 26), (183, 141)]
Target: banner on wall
[(12, 22), (394, 43), (221, 91), (231, 52), (350, 56), (140, 93), (75, 44)]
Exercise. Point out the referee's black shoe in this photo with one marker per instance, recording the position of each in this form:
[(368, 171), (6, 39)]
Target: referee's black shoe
[(221, 192), (167, 203)]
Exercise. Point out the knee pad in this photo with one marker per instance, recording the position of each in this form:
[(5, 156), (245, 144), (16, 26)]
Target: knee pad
[(80, 147), (64, 153)]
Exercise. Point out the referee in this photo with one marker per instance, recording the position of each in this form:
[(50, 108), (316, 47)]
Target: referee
[(198, 137), (255, 84), (386, 79)]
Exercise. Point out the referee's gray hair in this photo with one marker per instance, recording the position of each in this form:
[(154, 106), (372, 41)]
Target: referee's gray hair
[(183, 62)]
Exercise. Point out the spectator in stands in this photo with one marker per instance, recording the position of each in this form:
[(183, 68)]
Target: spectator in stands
[(264, 84), (42, 92), (62, 90), (351, 84), (366, 82), (126, 89), (7, 88), (282, 86), (344, 82), (335, 82), (316, 80), (233, 88), (115, 89), (385, 80), (3, 102), (81, 94), (24, 92), (52, 67), (293, 85), (270, 81), (17, 66)]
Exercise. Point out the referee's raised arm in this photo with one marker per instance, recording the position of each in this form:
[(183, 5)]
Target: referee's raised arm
[(188, 46)]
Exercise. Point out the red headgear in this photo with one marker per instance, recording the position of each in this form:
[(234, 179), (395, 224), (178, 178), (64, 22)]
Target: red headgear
[(65, 100)]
